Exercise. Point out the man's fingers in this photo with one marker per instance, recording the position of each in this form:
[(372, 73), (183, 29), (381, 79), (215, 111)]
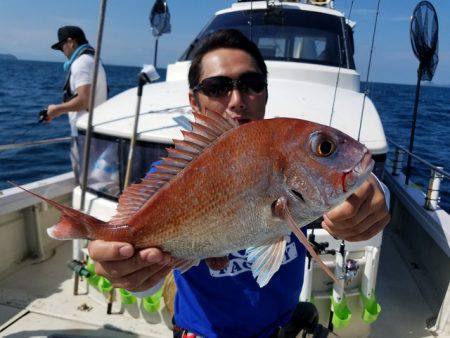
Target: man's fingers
[(331, 232), (364, 211), (155, 255), (154, 279), (145, 258), (350, 207), (134, 281), (109, 251), (357, 229), (372, 231)]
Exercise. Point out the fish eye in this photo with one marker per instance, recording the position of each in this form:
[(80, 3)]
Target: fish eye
[(322, 145)]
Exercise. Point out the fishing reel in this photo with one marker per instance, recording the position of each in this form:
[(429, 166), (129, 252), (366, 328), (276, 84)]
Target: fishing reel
[(43, 115), (350, 270)]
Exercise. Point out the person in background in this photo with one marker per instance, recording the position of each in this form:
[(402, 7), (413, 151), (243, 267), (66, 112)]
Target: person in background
[(77, 87), (228, 74)]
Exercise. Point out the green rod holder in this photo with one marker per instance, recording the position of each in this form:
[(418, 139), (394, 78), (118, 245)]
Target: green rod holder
[(341, 313), (127, 297), (371, 308)]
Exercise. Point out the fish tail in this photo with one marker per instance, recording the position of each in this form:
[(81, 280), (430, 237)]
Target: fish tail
[(72, 224)]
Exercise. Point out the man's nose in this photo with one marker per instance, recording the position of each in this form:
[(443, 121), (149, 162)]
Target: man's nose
[(236, 102)]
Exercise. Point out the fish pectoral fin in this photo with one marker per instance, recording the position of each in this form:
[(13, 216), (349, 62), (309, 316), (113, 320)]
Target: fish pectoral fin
[(281, 210), (184, 265), (217, 263), (266, 260)]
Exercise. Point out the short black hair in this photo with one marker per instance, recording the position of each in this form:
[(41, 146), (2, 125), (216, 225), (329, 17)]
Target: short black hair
[(224, 38)]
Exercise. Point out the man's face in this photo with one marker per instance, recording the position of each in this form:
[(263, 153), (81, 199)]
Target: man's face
[(68, 47), (241, 106)]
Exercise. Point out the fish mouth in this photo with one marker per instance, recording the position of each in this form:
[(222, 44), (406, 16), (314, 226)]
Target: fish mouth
[(366, 164), (298, 194), (354, 177)]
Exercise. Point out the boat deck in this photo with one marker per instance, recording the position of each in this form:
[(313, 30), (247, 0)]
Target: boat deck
[(37, 301)]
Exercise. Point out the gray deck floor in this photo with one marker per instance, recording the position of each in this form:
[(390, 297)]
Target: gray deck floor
[(37, 301)]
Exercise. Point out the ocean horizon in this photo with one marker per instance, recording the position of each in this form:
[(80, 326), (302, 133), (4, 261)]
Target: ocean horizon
[(424, 83)]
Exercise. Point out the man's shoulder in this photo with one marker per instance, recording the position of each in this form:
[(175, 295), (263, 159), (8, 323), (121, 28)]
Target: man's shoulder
[(83, 61)]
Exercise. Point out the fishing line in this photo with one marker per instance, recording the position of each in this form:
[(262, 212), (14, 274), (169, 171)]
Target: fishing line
[(251, 20), (342, 246), (368, 69), (42, 117), (339, 69)]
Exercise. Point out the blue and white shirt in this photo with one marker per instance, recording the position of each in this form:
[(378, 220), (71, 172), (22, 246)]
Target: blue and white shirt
[(229, 302)]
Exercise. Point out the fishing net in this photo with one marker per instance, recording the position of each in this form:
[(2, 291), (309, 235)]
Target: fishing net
[(424, 38), (160, 18)]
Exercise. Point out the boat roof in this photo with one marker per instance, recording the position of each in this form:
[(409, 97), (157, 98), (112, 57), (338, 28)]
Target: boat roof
[(312, 91), (257, 5), (165, 110)]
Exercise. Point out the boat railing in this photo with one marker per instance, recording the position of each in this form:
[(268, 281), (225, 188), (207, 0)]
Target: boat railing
[(11, 146), (437, 174)]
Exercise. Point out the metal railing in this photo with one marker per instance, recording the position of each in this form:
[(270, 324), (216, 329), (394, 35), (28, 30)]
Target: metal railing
[(437, 174), (11, 146)]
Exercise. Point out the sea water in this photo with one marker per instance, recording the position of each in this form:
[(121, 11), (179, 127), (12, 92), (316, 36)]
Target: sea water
[(26, 87)]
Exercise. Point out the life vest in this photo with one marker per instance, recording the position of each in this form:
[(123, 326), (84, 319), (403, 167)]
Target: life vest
[(67, 93)]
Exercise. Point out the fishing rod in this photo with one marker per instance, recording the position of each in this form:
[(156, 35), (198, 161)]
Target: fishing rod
[(368, 68), (42, 116)]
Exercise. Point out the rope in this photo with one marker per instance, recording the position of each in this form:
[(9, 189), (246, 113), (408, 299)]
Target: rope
[(368, 69)]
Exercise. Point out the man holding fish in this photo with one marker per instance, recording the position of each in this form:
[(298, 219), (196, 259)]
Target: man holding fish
[(219, 297)]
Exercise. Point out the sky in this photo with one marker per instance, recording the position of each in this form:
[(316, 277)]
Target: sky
[(28, 28)]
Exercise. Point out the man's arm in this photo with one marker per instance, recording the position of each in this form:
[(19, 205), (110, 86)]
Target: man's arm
[(363, 215), (79, 102)]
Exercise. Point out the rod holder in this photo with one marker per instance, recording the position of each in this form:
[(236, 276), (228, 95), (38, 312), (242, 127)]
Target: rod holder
[(434, 185), (397, 162)]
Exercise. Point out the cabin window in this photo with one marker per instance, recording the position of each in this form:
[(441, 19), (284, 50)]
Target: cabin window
[(288, 35), (274, 47), (108, 161)]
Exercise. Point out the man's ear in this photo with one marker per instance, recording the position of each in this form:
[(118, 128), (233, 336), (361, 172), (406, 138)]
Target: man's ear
[(194, 101)]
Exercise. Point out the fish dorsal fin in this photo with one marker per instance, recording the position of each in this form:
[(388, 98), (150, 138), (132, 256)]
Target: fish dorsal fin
[(205, 130)]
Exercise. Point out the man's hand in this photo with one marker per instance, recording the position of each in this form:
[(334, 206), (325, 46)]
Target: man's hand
[(126, 269), (79, 102), (53, 111), (361, 216)]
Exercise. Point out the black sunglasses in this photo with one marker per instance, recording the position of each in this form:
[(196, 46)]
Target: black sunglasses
[(221, 86)]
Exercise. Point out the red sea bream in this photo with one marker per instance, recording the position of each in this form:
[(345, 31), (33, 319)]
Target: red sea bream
[(227, 187)]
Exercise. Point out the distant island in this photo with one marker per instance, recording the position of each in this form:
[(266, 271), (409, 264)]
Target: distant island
[(8, 57)]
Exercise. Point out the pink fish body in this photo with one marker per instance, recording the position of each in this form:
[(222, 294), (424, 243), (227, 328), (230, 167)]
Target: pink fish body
[(217, 191)]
